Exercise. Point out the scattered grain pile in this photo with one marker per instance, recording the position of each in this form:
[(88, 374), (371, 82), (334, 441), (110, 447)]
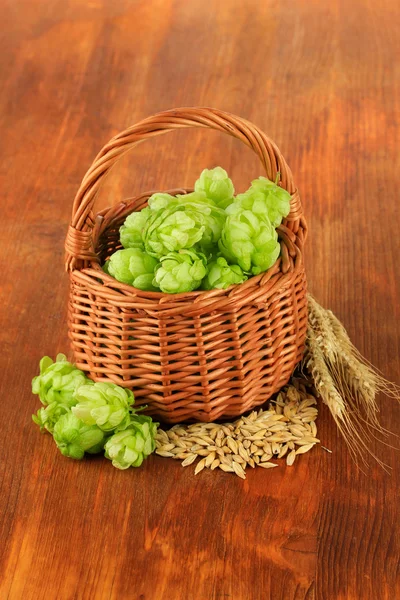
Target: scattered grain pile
[(284, 430)]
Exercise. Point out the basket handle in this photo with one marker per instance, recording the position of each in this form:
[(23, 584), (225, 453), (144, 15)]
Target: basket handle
[(79, 244)]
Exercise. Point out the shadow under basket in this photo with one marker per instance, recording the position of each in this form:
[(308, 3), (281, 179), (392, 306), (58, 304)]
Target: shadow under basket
[(194, 356)]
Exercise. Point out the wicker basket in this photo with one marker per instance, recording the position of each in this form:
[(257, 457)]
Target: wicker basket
[(192, 356)]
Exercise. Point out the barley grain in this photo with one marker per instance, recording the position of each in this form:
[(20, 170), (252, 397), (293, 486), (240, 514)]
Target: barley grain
[(291, 458), (189, 460), (163, 453), (287, 428), (226, 468), (200, 466), (210, 459), (238, 470), (304, 449)]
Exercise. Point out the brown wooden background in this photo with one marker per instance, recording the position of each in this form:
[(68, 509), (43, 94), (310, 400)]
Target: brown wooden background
[(322, 78)]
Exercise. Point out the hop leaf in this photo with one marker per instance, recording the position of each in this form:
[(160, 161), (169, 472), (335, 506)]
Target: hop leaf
[(133, 266), (130, 447), (220, 275), (216, 185), (74, 438), (180, 271), (104, 404), (131, 231), (265, 199), (249, 240), (58, 381)]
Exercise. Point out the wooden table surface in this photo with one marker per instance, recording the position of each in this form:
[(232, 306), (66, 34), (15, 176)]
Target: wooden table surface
[(322, 79)]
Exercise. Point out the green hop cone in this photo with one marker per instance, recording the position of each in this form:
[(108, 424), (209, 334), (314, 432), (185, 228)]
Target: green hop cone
[(133, 266), (180, 272), (206, 221), (172, 228), (250, 241), (220, 275), (74, 438), (182, 222), (118, 265), (265, 199), (131, 231), (130, 447), (216, 185), (47, 417), (212, 217), (57, 381), (104, 404), (160, 200)]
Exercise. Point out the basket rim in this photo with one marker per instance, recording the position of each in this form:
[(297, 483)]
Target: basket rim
[(255, 282), (196, 303)]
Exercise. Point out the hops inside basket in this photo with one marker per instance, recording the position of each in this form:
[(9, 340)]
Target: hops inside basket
[(205, 239)]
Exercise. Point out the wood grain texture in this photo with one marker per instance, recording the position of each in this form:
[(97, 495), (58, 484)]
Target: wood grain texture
[(322, 80)]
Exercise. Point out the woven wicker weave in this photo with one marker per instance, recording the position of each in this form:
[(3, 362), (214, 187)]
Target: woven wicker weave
[(198, 355)]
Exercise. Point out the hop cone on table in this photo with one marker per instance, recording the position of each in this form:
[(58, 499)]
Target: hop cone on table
[(133, 266), (106, 405), (264, 198), (47, 417), (74, 438), (180, 272), (57, 381), (216, 185), (131, 231), (130, 447), (250, 241), (221, 275)]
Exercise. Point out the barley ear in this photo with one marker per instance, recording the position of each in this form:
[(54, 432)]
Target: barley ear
[(346, 382)]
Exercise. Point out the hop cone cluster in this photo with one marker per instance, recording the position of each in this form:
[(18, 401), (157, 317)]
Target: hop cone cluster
[(179, 243), (84, 417)]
